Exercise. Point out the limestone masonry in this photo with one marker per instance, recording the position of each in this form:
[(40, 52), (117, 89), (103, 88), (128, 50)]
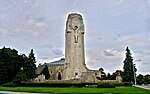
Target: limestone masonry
[(74, 47), (74, 67)]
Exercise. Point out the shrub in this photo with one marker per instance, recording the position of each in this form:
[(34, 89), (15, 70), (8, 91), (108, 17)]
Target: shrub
[(9, 85), (56, 84), (123, 84), (52, 84), (106, 85), (19, 78), (127, 84)]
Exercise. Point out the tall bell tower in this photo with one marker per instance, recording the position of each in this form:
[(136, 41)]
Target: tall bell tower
[(74, 47)]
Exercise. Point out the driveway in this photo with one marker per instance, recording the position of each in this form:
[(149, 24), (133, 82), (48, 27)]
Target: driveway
[(143, 86)]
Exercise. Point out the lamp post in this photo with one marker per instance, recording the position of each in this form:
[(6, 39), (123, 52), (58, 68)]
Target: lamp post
[(134, 75), (134, 72)]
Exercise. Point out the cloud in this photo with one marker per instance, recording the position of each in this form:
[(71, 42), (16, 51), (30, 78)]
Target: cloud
[(3, 32), (143, 67), (44, 58), (142, 52), (58, 51), (31, 26), (108, 53), (110, 27), (111, 52), (126, 39), (119, 1)]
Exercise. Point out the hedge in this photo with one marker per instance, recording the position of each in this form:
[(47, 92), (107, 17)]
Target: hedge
[(9, 85), (106, 85), (99, 85), (33, 84), (123, 84)]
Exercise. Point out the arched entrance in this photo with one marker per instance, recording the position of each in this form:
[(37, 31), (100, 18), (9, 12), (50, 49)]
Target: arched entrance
[(59, 76)]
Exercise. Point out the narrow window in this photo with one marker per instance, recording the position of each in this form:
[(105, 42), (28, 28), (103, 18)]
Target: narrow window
[(76, 74)]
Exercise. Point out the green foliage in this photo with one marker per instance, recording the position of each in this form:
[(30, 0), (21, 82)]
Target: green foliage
[(109, 76), (123, 84), (54, 84), (129, 67), (141, 79), (29, 66), (10, 64), (9, 85), (33, 84), (20, 77), (45, 72), (106, 85)]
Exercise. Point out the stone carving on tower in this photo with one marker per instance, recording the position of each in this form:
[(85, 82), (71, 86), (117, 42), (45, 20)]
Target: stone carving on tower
[(74, 47), (74, 63)]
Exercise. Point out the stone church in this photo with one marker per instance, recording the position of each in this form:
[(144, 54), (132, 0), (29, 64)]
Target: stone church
[(73, 66)]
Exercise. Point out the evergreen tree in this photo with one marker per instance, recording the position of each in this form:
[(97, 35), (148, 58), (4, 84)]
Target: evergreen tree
[(129, 67), (45, 72), (29, 66), (20, 77), (108, 76), (10, 64)]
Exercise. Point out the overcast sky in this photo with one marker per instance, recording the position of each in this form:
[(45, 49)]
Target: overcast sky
[(110, 26)]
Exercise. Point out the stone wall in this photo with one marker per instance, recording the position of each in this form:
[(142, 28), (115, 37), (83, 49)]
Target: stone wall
[(54, 71)]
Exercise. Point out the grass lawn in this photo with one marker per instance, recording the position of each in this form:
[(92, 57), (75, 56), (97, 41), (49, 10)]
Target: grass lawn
[(117, 90)]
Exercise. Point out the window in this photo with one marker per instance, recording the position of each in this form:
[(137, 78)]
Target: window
[(96, 74), (76, 74)]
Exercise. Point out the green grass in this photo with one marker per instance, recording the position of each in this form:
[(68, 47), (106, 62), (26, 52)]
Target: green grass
[(71, 90)]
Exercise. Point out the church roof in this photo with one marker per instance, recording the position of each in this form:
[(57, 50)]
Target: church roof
[(54, 63)]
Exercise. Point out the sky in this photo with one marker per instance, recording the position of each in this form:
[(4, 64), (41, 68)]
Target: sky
[(110, 26)]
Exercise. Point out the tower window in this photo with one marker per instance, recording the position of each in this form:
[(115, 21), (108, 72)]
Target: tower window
[(96, 74), (76, 74)]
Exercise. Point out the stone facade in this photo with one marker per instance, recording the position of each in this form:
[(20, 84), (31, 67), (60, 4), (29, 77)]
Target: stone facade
[(74, 47), (55, 69), (74, 67)]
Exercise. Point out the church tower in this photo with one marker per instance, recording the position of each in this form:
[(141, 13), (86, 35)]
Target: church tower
[(74, 47)]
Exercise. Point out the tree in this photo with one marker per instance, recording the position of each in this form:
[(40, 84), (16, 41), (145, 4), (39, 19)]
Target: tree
[(147, 79), (108, 76), (113, 76), (101, 69), (140, 79), (128, 68), (45, 72), (10, 64), (20, 77), (103, 75), (119, 72), (29, 66)]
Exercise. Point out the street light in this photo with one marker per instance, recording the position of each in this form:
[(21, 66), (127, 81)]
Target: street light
[(134, 72), (134, 75)]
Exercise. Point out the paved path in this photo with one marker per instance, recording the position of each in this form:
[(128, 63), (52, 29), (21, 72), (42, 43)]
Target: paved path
[(143, 86)]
